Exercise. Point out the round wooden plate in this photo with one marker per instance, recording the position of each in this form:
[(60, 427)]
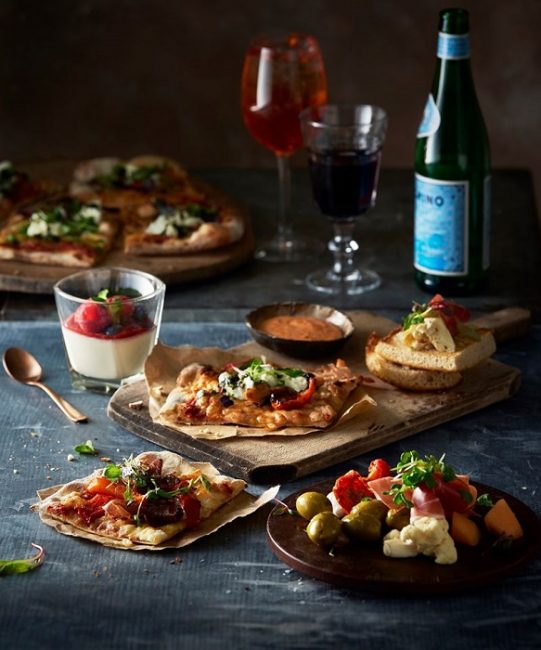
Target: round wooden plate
[(38, 278), (365, 566), (172, 269)]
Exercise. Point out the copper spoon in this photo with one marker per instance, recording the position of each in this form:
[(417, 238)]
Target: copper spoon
[(22, 366)]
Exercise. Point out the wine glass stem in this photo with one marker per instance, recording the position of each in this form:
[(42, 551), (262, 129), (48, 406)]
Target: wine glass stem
[(284, 233), (343, 247)]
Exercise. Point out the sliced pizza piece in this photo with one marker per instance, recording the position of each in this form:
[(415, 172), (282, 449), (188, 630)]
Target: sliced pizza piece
[(16, 188), (58, 232), (146, 500), (259, 394), (169, 227), (123, 184)]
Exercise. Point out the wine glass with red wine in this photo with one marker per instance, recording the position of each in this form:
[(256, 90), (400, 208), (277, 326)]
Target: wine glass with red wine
[(344, 154), (281, 76)]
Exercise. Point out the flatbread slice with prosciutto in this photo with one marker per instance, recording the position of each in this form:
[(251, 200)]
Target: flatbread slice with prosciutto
[(146, 500)]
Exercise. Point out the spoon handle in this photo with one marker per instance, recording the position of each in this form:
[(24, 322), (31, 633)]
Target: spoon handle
[(69, 411)]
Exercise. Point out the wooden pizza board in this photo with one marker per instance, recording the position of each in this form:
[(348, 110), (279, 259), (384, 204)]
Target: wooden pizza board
[(173, 269), (273, 459)]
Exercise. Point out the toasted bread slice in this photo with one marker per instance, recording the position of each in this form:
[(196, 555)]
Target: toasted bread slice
[(468, 352), (405, 377)]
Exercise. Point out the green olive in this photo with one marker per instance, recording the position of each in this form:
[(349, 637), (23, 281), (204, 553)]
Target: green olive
[(324, 529), (310, 504), (363, 527), (371, 507), (398, 518)]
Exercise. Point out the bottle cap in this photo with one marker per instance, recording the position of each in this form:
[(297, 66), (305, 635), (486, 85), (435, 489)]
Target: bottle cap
[(454, 21)]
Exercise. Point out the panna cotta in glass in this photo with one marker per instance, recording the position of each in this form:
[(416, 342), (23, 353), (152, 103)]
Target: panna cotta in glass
[(109, 333), (97, 348)]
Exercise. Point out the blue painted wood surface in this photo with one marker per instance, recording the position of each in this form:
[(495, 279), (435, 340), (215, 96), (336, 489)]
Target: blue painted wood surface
[(228, 590)]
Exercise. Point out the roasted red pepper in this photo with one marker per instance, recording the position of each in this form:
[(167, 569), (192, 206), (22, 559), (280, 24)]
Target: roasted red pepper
[(192, 410), (285, 399), (451, 312), (350, 488), (378, 468), (192, 509)]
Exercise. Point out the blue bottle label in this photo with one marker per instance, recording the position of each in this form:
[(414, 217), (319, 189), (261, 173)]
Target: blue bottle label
[(453, 46), (441, 226), (431, 119)]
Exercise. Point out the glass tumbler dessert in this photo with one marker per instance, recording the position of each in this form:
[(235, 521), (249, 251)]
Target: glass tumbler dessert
[(110, 319)]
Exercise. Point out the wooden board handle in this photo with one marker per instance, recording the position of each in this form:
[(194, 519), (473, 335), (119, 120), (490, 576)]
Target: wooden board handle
[(506, 324)]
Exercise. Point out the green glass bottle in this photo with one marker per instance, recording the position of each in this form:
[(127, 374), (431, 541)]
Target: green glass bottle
[(452, 173)]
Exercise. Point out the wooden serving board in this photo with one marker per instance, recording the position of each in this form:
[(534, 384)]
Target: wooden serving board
[(273, 459)]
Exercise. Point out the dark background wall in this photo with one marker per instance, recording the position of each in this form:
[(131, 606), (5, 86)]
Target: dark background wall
[(80, 78)]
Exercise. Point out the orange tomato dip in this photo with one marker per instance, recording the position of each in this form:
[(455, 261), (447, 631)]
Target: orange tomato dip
[(301, 328)]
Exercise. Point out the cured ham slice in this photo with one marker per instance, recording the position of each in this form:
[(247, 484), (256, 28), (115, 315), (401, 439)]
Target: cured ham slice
[(442, 501), (425, 504), (381, 486)]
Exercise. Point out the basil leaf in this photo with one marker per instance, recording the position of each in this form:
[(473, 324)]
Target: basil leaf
[(201, 211), (113, 472), (128, 292), (12, 567), (293, 372), (86, 448)]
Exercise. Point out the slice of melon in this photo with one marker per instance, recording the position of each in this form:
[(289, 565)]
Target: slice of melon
[(464, 530), (501, 520)]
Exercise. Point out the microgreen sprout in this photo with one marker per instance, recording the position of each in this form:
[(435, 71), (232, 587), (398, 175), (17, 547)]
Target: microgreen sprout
[(415, 471), (141, 485), (485, 500)]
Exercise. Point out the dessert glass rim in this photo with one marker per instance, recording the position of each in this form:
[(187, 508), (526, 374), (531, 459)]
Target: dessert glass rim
[(159, 284)]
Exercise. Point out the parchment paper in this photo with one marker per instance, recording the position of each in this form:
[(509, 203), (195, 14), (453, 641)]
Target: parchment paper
[(242, 505)]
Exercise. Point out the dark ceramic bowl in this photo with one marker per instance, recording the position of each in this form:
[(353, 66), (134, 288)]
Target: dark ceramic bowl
[(292, 347)]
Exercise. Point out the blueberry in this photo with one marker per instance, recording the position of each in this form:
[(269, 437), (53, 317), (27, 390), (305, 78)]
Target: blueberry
[(140, 315), (113, 330)]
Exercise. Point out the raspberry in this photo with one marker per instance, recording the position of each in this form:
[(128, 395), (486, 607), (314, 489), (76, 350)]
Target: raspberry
[(92, 318)]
